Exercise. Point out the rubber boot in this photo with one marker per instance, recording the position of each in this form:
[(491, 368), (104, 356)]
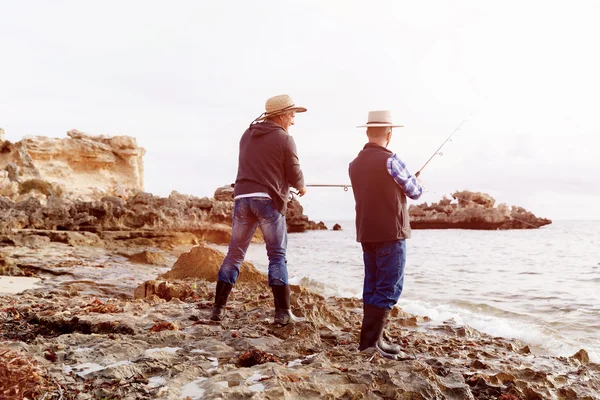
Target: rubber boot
[(387, 347), (221, 295), (283, 313), (374, 320)]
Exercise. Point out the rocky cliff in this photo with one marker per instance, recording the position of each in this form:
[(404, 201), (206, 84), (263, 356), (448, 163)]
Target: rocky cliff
[(80, 166)]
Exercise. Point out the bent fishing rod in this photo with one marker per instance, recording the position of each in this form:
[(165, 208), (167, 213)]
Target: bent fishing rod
[(437, 152)]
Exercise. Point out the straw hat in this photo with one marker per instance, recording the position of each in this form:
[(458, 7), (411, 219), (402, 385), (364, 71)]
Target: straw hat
[(380, 118), (278, 105)]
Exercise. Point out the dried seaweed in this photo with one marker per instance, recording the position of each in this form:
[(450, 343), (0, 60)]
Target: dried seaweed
[(163, 326), (98, 306), (254, 357), (22, 377)]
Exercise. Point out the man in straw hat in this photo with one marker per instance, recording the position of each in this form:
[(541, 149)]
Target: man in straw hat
[(268, 165), (381, 182)]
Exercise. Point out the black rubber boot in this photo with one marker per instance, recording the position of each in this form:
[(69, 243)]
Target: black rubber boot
[(387, 347), (283, 313), (221, 295), (374, 320)]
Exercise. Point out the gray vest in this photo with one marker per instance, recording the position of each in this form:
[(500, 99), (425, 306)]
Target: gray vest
[(381, 213)]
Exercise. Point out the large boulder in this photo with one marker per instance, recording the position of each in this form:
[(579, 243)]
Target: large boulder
[(203, 262)]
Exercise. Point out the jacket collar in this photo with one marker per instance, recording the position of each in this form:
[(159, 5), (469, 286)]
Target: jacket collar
[(375, 146)]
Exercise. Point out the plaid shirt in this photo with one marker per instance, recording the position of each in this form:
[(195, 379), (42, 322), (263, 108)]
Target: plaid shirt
[(407, 182)]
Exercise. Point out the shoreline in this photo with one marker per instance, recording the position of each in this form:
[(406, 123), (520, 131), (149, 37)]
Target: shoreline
[(497, 316), (85, 333)]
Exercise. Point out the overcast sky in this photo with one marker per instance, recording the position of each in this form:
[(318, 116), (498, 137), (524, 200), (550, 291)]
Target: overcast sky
[(185, 78)]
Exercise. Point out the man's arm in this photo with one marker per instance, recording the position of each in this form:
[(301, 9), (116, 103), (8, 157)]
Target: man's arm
[(407, 182), (293, 172)]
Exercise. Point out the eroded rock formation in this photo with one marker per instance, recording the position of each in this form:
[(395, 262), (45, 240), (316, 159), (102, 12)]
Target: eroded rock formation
[(472, 210), (160, 221), (80, 166)]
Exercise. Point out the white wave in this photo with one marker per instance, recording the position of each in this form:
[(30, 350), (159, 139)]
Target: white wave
[(526, 331)]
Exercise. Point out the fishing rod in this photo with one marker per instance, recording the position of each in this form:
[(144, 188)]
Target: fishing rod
[(345, 187), (437, 152)]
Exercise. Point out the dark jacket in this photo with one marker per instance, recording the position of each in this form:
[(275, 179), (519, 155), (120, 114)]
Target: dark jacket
[(268, 163), (381, 213)]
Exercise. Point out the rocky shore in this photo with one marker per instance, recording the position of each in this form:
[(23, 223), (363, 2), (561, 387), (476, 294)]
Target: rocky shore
[(84, 335)]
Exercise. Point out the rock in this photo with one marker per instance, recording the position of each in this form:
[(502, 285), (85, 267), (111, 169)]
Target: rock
[(13, 171), (582, 356), (76, 238), (164, 290), (8, 188), (203, 262), (74, 162), (297, 221), (41, 186), (337, 227), (469, 199), (34, 241), (8, 267), (473, 210), (224, 193), (148, 257), (34, 238)]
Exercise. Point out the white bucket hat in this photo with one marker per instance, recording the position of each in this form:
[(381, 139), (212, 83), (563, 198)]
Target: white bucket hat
[(380, 119), (278, 105)]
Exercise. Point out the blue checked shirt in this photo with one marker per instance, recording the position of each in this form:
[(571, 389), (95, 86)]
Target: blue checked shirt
[(407, 182)]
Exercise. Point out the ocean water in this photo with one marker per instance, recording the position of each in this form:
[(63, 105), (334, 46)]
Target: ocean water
[(541, 286)]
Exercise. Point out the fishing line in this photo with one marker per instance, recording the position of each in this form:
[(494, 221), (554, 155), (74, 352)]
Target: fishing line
[(438, 152)]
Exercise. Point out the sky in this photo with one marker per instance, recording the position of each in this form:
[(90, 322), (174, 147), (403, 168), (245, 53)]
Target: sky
[(186, 78)]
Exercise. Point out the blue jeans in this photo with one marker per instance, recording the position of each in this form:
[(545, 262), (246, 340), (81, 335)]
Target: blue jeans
[(248, 214), (384, 272)]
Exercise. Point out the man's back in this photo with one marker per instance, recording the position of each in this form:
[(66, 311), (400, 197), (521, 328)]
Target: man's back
[(268, 163), (381, 213)]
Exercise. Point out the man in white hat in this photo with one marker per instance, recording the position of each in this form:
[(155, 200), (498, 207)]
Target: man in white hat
[(268, 165), (381, 182)]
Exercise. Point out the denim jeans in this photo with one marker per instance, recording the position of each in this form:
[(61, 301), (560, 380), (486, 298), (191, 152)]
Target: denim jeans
[(248, 214), (384, 272)]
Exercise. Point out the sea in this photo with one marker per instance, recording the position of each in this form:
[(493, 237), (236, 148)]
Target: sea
[(541, 286)]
